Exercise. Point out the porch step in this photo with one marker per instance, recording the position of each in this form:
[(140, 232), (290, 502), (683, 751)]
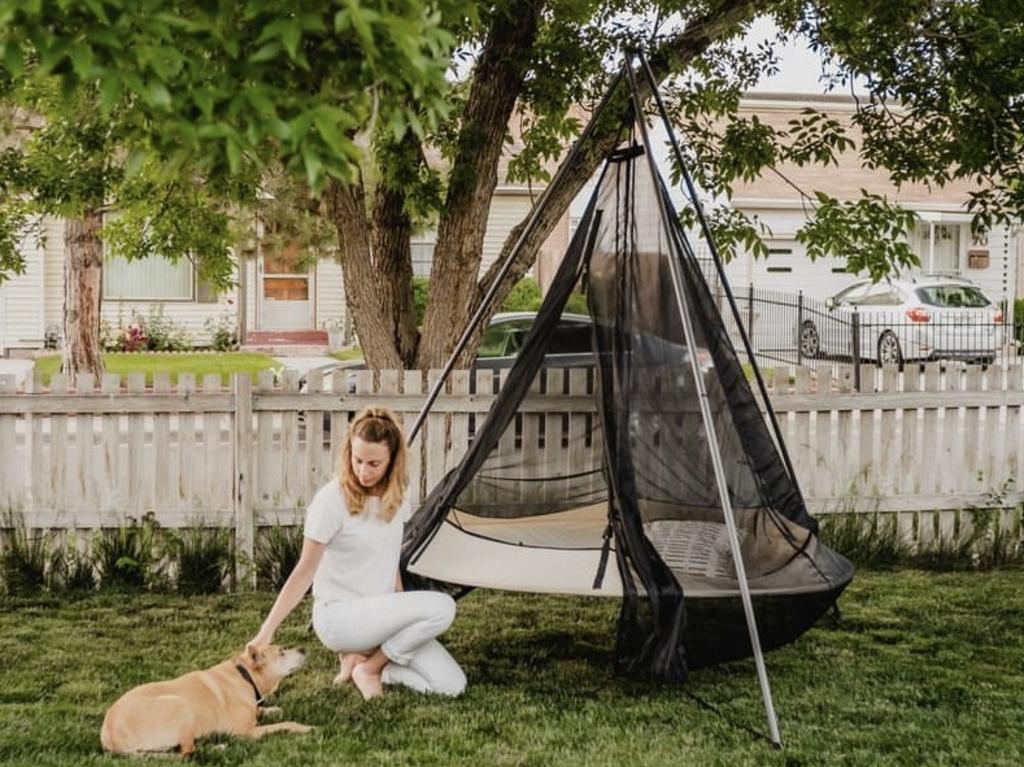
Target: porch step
[(287, 350), (286, 338)]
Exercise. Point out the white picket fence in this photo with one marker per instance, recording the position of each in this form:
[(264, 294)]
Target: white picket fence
[(252, 455)]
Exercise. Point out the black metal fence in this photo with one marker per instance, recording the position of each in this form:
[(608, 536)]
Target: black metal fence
[(793, 329)]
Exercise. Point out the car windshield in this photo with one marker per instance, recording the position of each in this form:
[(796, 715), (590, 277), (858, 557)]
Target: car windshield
[(955, 296)]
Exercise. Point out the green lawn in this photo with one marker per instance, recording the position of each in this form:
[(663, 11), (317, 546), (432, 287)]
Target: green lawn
[(224, 364), (925, 670)]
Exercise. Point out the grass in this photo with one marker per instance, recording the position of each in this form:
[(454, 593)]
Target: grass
[(923, 670), (353, 353), (222, 363)]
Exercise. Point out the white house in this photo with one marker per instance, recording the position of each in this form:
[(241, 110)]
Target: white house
[(942, 238), (278, 302)]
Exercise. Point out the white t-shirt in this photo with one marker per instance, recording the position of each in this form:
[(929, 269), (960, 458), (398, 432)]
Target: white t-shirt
[(362, 552)]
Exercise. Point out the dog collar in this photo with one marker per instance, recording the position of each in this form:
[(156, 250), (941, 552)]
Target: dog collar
[(248, 678)]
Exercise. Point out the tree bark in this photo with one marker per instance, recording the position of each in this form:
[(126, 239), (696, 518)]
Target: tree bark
[(83, 290), (668, 58), (497, 83), (363, 284), (376, 261)]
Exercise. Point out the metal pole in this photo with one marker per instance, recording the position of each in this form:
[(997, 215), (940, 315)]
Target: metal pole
[(485, 302), (855, 351), (709, 427), (799, 328)]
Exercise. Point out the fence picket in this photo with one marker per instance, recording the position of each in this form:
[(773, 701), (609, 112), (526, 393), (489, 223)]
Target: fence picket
[(313, 473), (162, 469), (129, 452), (972, 427), (187, 454), (11, 472), (1013, 434), (412, 385), (928, 467), (217, 490)]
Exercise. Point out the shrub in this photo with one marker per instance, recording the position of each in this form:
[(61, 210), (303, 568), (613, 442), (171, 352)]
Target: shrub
[(126, 558), (155, 332), (204, 558), (420, 296), (870, 541), (23, 558), (223, 332), (525, 296), (163, 334), (70, 569), (277, 553)]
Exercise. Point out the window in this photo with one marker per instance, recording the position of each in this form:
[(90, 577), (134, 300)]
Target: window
[(881, 294), (938, 246), (153, 278), (570, 338), (957, 296)]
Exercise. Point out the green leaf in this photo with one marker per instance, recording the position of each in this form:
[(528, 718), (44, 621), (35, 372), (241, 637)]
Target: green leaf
[(110, 92), (266, 52), (328, 130), (159, 95), (314, 166), (234, 153), (82, 60), (134, 163)]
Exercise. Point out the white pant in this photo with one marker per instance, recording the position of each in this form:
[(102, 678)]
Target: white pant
[(404, 625)]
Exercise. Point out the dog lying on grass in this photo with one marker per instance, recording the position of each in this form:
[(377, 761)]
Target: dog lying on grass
[(227, 698)]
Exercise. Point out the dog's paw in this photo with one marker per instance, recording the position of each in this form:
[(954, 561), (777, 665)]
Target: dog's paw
[(303, 729)]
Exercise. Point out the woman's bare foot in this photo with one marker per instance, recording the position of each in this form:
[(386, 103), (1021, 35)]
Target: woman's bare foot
[(367, 681), (348, 662)]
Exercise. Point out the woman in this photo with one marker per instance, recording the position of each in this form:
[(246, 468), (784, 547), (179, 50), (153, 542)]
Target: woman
[(350, 554)]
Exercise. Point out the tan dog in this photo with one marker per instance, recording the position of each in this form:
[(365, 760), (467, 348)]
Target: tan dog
[(166, 716)]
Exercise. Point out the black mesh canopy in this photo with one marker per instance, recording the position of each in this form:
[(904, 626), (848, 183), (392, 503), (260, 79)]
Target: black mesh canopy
[(619, 497)]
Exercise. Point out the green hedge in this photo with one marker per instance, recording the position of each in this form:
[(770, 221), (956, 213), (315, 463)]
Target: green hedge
[(525, 296)]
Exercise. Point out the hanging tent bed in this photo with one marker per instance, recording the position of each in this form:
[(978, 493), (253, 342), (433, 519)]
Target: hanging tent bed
[(672, 471)]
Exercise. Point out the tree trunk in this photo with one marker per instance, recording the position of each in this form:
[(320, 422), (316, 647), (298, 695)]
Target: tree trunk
[(497, 83), (376, 259), (668, 58), (83, 289), (347, 207)]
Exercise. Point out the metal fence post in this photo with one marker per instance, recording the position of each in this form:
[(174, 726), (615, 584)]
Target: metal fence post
[(855, 351), (750, 312), (799, 328)]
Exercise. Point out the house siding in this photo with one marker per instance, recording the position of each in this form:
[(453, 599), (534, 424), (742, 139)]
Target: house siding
[(23, 322)]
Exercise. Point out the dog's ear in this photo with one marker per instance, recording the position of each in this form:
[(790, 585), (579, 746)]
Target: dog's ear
[(255, 655)]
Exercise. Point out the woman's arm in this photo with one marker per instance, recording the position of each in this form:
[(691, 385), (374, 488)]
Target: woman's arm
[(292, 592), (398, 581)]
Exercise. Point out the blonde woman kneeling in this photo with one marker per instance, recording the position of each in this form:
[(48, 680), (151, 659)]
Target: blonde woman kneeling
[(350, 554)]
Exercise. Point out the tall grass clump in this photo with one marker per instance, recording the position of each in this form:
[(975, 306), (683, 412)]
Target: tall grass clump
[(127, 558), (874, 541), (71, 569), (277, 552), (23, 557), (203, 558)]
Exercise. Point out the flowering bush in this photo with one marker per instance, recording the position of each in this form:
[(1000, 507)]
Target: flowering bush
[(154, 332), (132, 338)]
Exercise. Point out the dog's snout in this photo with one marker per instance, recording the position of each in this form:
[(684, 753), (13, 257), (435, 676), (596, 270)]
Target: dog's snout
[(300, 650)]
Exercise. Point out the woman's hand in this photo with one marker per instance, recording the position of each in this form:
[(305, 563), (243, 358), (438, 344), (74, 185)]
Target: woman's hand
[(262, 639)]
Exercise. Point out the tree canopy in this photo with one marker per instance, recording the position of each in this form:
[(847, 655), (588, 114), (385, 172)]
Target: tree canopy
[(355, 98)]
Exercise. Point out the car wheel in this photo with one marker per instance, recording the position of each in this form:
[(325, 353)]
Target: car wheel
[(889, 352), (810, 342)]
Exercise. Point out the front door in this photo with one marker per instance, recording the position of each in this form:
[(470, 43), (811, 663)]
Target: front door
[(286, 295)]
